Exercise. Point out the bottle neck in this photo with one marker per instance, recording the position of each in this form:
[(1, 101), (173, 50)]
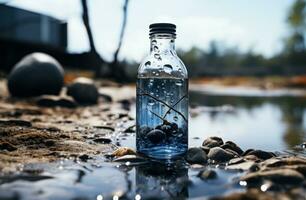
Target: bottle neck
[(162, 44)]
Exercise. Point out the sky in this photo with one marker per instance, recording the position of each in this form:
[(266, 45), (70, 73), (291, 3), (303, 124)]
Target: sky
[(258, 25)]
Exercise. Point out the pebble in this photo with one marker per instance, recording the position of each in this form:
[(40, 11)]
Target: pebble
[(122, 151), (264, 155), (279, 176), (232, 146), (130, 158), (7, 146), (241, 166), (156, 136), (196, 155), (212, 142), (143, 130), (208, 174), (54, 101), (36, 74), (218, 154), (83, 91), (102, 140), (276, 162)]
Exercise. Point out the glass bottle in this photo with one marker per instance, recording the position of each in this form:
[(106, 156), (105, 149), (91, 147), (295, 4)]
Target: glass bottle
[(162, 98)]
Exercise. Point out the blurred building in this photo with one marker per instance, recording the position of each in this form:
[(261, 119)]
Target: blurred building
[(26, 26), (23, 32)]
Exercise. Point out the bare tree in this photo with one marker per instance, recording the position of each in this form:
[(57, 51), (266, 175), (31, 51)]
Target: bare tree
[(125, 7), (94, 57), (116, 70)]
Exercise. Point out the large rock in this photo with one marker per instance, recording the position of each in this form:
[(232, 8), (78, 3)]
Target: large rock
[(212, 142), (84, 91), (36, 74), (196, 155), (218, 154)]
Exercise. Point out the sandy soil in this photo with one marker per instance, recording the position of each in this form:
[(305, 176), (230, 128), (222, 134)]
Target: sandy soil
[(30, 133)]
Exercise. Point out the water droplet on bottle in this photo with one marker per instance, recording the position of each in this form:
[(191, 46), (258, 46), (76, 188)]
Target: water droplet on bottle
[(168, 68), (151, 102), (175, 118), (148, 63), (179, 83), (155, 48), (157, 56)]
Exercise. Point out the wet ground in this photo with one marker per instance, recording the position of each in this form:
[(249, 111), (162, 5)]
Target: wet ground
[(59, 153)]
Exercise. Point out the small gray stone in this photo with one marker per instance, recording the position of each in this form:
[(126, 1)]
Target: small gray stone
[(212, 142), (196, 155), (218, 154), (83, 90), (208, 174), (36, 74), (156, 136)]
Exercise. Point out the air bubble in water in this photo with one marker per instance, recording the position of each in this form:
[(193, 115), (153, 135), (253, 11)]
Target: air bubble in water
[(151, 102), (175, 118), (154, 42), (168, 68)]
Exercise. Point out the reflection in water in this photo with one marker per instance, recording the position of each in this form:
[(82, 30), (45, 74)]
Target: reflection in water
[(163, 181), (272, 123)]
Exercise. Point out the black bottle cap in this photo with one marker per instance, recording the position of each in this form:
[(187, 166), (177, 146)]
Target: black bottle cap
[(162, 28)]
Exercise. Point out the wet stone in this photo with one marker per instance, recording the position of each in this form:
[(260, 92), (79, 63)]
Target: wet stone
[(122, 151), (218, 154), (212, 142), (208, 174), (206, 149), (84, 157), (279, 176), (143, 131), (54, 101), (277, 162), (232, 146), (196, 155), (241, 166), (7, 146), (130, 158), (102, 140), (264, 155), (83, 91), (36, 74), (156, 136)]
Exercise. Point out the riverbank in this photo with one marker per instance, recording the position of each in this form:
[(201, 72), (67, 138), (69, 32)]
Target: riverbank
[(52, 151)]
